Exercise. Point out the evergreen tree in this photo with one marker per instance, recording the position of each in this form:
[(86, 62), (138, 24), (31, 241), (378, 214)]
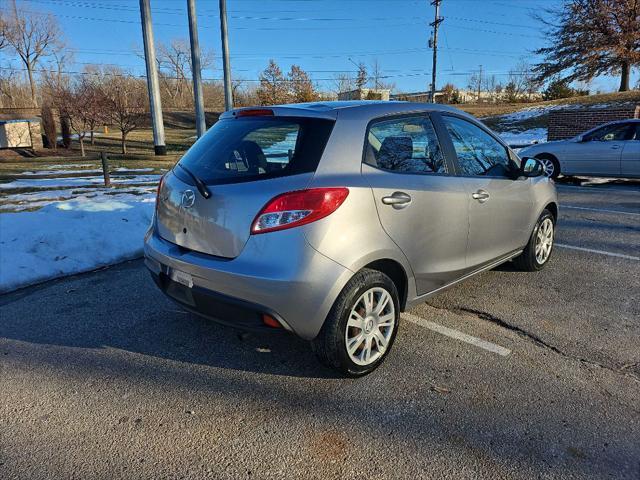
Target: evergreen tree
[(274, 88), (302, 89)]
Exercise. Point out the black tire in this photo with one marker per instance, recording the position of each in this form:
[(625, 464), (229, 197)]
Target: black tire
[(527, 260), (550, 158), (330, 344)]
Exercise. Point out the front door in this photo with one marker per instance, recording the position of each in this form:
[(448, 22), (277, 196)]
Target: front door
[(421, 206), (499, 206), (598, 153)]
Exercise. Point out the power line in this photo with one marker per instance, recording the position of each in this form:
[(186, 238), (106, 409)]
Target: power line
[(113, 74)]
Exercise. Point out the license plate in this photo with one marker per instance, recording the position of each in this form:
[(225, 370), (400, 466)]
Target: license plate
[(182, 277)]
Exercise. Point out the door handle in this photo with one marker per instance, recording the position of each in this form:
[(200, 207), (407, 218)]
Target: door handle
[(397, 200), (615, 147), (481, 195)]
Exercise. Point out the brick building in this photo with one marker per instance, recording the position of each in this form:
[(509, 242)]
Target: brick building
[(571, 122)]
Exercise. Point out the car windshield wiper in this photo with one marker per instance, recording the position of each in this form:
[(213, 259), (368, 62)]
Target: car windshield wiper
[(202, 188)]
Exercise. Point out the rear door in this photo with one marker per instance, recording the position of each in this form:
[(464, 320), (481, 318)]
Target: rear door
[(244, 162), (630, 160), (500, 206), (421, 206)]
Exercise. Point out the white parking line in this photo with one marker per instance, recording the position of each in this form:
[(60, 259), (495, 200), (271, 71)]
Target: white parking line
[(600, 252), (599, 210), (463, 337), (602, 189)]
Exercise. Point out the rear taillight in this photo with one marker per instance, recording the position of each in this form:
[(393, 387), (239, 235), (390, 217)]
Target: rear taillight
[(298, 208)]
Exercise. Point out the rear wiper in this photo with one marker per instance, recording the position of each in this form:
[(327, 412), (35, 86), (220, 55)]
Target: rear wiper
[(202, 188)]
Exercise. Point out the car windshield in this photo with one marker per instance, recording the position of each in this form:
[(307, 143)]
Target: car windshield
[(254, 148)]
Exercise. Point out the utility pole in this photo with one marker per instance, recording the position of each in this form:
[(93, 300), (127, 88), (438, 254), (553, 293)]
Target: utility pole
[(228, 93), (196, 73), (479, 83), (152, 79), (433, 43)]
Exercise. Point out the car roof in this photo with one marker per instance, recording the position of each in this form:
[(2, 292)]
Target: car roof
[(614, 122), (330, 109)]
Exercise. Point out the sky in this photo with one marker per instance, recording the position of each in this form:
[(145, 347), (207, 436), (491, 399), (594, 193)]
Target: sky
[(324, 37)]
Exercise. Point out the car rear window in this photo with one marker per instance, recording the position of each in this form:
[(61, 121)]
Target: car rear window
[(255, 148)]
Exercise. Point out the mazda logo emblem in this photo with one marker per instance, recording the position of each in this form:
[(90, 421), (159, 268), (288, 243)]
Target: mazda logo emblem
[(188, 198)]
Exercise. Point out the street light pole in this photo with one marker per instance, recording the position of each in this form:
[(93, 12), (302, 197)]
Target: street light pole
[(196, 73), (228, 93), (153, 84)]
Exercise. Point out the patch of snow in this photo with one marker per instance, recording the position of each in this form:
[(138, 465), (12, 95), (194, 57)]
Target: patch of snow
[(76, 136), (76, 181), (72, 236), (57, 172), (530, 112), (67, 165), (32, 200), (125, 169)]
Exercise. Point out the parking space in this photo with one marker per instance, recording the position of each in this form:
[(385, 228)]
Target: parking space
[(509, 375)]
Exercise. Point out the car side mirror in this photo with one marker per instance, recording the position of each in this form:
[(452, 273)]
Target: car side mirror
[(532, 167)]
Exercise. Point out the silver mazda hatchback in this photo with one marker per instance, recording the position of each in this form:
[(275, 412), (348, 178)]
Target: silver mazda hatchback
[(328, 219)]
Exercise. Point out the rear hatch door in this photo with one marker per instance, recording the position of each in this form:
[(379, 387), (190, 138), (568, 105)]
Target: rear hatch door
[(243, 162)]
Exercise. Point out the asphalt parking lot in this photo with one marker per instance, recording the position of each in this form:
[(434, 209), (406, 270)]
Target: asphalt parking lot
[(509, 375)]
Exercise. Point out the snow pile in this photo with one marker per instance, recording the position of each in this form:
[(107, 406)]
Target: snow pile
[(531, 112), (32, 200), (59, 172), (71, 237)]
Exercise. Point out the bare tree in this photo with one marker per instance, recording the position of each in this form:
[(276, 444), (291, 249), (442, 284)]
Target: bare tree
[(174, 65), (125, 102), (475, 84), (376, 79), (14, 92), (32, 36), (343, 82), (246, 95), (490, 85), (81, 104), (3, 31), (274, 88), (590, 38)]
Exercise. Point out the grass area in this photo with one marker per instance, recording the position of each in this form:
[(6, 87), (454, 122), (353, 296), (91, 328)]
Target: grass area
[(140, 142), (139, 153)]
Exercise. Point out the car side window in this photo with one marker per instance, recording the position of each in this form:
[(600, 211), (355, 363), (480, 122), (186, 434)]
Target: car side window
[(404, 145), (611, 133), (478, 152)]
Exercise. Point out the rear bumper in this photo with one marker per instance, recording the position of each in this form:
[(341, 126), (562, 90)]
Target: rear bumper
[(283, 277), (215, 306)]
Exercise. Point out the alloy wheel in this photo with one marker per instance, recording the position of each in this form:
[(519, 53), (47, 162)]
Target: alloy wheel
[(370, 326), (544, 241), (548, 166)]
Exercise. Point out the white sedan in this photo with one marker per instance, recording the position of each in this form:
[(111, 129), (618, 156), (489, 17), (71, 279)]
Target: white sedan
[(610, 150)]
